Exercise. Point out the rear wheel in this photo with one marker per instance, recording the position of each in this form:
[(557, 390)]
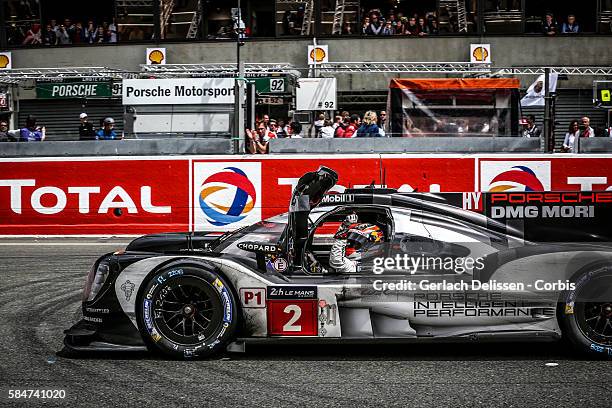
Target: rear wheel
[(187, 312), (586, 314)]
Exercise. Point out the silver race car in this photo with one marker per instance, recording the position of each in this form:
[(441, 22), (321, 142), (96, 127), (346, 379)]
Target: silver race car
[(366, 265)]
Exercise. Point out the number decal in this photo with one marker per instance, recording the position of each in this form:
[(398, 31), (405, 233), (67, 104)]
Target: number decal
[(297, 312), (292, 317), (329, 105), (277, 85)]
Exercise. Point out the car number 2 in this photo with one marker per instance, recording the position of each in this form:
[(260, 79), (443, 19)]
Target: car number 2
[(295, 312), (288, 317)]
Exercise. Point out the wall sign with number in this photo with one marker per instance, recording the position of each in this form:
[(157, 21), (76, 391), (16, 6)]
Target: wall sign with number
[(316, 94)]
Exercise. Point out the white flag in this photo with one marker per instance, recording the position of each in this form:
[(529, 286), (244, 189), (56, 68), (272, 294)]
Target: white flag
[(535, 93)]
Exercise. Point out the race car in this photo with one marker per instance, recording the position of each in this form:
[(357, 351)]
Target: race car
[(441, 267)]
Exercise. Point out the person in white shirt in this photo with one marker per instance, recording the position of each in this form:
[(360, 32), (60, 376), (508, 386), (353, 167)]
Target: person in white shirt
[(570, 143), (327, 131)]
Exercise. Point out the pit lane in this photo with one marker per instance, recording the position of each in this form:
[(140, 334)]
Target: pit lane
[(40, 292)]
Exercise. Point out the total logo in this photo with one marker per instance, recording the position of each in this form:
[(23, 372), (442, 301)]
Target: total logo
[(498, 176), (226, 195)]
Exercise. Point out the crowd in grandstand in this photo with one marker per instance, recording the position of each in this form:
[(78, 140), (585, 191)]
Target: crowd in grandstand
[(375, 23), (67, 32)]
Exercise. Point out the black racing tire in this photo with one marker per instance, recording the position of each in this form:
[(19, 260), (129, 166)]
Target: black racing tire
[(585, 313), (187, 312)]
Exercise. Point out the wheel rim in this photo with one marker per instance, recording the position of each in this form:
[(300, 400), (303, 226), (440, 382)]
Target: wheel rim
[(594, 310), (187, 310)]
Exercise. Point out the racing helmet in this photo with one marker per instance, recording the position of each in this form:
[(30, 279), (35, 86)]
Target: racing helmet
[(361, 238)]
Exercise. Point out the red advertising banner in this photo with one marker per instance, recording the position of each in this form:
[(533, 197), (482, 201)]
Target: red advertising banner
[(118, 196), (93, 196)]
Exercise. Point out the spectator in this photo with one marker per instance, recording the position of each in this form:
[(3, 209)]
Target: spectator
[(33, 36), (31, 132), (296, 130), (352, 126), (432, 27), (382, 121), (570, 26), (79, 35), (369, 128), (90, 33), (273, 129), (100, 35), (531, 130), (318, 125), (337, 121), (573, 133), (281, 131), (586, 130), (62, 36), (410, 130), (327, 131), (107, 132), (412, 28), (339, 131), (254, 143), (49, 37), (422, 27), (549, 26), (86, 130), (70, 29), (366, 28), (266, 122), (345, 114), (5, 135), (376, 26), (112, 32), (388, 29), (347, 28)]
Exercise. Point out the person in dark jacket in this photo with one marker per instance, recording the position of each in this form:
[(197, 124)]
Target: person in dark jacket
[(369, 128), (86, 130)]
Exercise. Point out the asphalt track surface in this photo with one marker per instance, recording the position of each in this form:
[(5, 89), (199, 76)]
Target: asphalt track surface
[(40, 292)]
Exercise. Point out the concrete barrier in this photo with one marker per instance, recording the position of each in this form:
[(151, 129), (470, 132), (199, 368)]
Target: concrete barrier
[(596, 145), (129, 147), (408, 145)]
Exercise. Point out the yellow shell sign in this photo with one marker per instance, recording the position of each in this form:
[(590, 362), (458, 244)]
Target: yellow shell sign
[(4, 61), (317, 54), (156, 56), (480, 54)]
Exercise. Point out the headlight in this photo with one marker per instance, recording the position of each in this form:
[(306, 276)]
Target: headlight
[(95, 279)]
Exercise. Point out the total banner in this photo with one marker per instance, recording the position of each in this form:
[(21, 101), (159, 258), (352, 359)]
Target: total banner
[(136, 195)]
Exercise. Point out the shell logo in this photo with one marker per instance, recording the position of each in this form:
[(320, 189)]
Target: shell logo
[(156, 57), (4, 61), (480, 54), (317, 54)]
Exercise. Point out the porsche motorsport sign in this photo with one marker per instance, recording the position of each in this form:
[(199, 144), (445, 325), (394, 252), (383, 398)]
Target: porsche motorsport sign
[(181, 91)]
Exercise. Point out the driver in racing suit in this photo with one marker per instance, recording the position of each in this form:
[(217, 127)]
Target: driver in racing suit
[(350, 241)]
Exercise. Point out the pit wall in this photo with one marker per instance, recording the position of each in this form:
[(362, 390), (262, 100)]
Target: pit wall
[(136, 195)]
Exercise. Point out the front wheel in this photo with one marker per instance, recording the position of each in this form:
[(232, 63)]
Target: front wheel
[(586, 313), (187, 312)]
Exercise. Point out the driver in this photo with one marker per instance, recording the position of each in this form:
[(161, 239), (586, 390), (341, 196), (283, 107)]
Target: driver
[(350, 242)]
